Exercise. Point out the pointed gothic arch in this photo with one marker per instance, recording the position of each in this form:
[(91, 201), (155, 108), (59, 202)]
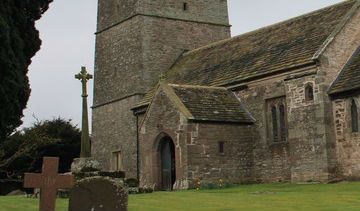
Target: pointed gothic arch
[(165, 162), (277, 120)]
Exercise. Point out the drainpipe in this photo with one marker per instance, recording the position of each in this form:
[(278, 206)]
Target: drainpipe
[(137, 149)]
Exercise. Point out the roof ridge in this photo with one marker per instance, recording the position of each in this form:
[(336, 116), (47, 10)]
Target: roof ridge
[(308, 14), (173, 97), (196, 86), (169, 91)]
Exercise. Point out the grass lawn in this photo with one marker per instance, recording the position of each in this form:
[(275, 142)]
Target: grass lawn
[(343, 196)]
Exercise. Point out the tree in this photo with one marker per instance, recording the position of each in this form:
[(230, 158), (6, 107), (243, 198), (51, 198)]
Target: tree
[(23, 151), (19, 41)]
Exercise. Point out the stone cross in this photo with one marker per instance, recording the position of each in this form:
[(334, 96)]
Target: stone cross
[(84, 76), (49, 181)]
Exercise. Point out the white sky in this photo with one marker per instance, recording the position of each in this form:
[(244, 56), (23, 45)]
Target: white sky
[(67, 31)]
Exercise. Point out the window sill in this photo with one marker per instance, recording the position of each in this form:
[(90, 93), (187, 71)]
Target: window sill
[(355, 134), (278, 143)]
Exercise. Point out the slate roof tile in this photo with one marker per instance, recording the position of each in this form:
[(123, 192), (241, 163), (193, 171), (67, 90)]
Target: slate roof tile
[(267, 50), (349, 77), (212, 104)]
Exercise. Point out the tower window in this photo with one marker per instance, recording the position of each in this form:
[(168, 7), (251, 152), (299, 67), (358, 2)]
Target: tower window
[(117, 164), (309, 93), (185, 6), (221, 147), (354, 117)]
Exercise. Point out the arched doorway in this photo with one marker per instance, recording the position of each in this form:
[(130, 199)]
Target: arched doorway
[(167, 164)]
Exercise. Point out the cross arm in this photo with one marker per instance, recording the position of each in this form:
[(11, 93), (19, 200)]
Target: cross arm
[(83, 75), (32, 180), (79, 76), (65, 181)]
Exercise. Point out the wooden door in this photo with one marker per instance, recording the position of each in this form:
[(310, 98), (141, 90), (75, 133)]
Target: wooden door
[(167, 165)]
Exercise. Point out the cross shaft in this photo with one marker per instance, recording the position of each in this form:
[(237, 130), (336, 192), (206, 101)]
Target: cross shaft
[(85, 152)]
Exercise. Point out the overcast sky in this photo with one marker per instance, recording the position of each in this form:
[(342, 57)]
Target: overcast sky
[(67, 31)]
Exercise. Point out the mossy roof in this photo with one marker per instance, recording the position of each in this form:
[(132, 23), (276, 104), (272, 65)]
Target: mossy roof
[(204, 103), (349, 77), (276, 48)]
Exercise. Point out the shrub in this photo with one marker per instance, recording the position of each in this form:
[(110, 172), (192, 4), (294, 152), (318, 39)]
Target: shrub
[(132, 182)]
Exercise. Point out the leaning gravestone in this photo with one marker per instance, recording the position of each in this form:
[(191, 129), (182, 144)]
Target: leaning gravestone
[(98, 194)]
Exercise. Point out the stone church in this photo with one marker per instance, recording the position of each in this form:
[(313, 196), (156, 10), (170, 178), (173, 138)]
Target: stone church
[(177, 99)]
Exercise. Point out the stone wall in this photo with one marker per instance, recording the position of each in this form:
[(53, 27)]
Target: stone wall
[(310, 153), (307, 135), (130, 57), (207, 164), (271, 160), (347, 142), (112, 12), (210, 11), (114, 129), (118, 60), (165, 40), (303, 156)]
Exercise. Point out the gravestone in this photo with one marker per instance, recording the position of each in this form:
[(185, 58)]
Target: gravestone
[(49, 181), (98, 194)]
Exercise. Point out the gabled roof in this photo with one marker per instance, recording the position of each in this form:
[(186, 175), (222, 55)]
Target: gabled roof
[(203, 103), (268, 50), (349, 77), (277, 48)]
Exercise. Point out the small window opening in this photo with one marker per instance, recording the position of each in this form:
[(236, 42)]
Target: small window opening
[(354, 117), (309, 93), (274, 124), (117, 164), (185, 6), (221, 147), (283, 132)]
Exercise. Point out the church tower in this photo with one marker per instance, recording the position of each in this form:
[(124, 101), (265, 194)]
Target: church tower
[(137, 40)]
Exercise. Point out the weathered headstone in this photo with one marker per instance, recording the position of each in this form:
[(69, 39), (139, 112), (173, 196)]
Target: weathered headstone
[(49, 181), (98, 194)]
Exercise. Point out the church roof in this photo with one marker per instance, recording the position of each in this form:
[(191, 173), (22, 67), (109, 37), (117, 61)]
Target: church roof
[(277, 48), (349, 77), (204, 103)]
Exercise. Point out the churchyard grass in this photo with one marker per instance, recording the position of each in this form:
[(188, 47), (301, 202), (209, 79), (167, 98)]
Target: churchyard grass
[(279, 197), (21, 203)]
